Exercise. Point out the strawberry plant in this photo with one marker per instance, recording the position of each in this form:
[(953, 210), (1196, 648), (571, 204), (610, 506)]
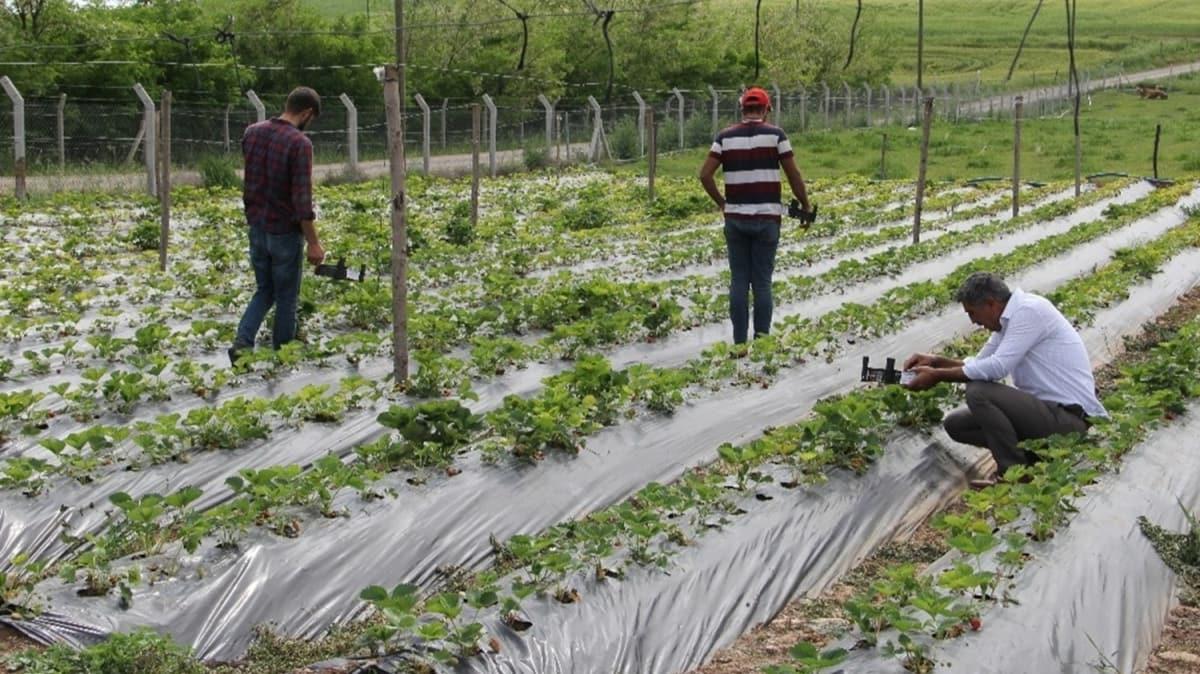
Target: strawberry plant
[(806, 659), (429, 434)]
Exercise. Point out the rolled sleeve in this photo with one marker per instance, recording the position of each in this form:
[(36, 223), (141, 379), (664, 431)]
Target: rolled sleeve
[(301, 179), (1002, 352)]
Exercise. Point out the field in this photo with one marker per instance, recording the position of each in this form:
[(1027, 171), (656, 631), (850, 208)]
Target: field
[(1117, 131), (581, 474), (966, 39)]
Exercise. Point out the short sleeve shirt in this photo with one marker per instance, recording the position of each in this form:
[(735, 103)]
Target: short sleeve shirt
[(750, 153)]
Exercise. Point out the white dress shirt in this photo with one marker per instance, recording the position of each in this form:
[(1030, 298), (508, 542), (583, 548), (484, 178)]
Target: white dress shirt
[(1042, 351)]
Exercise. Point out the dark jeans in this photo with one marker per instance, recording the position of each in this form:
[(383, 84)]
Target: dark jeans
[(999, 417), (751, 245), (277, 261)]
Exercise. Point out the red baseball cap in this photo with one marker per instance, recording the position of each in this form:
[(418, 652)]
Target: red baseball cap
[(755, 96)]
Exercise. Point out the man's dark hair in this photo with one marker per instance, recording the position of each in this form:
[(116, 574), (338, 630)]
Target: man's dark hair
[(981, 286), (301, 99)]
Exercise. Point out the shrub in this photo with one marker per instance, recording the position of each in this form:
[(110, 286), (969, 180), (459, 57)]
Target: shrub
[(216, 171), (624, 139), (459, 230), (535, 157), (144, 235), (144, 652)]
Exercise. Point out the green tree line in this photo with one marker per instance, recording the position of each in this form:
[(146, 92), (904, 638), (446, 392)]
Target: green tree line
[(212, 51)]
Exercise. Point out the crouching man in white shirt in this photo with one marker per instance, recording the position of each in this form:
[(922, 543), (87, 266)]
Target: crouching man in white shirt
[(1053, 389)]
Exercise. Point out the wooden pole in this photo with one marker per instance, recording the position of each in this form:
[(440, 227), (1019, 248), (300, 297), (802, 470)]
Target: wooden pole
[(920, 49), (1157, 135), (1019, 107), (396, 162), (475, 115), (652, 160), (1016, 179), (164, 179), (926, 118), (883, 159), (393, 93)]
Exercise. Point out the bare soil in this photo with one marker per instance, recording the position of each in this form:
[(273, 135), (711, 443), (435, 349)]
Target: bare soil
[(1179, 652)]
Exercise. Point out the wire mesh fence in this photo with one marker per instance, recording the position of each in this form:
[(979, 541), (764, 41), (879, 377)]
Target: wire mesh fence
[(66, 134)]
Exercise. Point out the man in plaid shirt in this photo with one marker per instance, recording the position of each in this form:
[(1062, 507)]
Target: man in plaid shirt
[(277, 195)]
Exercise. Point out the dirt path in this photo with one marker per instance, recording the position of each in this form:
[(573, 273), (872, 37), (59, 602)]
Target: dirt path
[(1059, 92)]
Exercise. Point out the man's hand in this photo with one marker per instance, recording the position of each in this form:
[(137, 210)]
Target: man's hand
[(315, 254), (920, 360), (925, 377)]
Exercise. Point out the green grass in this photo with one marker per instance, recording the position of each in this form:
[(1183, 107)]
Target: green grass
[(1117, 132), (969, 38)]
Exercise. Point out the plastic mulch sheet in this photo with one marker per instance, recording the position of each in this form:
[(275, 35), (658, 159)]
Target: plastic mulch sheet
[(305, 585), (1097, 594)]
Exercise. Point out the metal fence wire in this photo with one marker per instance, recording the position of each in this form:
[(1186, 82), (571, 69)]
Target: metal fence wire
[(66, 134)]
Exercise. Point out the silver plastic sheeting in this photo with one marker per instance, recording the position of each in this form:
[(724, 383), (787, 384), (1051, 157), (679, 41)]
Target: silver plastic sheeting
[(1095, 594), (797, 544), (307, 584)]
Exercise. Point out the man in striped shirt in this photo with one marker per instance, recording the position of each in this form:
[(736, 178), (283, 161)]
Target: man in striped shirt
[(750, 153)]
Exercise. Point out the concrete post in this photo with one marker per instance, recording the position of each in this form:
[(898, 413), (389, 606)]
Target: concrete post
[(849, 101), (549, 108), (60, 128), (149, 144), (598, 143), (641, 122), (778, 99), (825, 103), (716, 121), (679, 97), (445, 106), (18, 103), (228, 109), (259, 109), (351, 132), (491, 106), (425, 131)]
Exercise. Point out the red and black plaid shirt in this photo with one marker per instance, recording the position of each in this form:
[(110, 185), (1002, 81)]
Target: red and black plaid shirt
[(277, 188)]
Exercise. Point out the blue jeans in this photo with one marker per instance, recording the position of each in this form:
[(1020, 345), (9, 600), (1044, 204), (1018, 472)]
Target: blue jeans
[(751, 245), (277, 260)]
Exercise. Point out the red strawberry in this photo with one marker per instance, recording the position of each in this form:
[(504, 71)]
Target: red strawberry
[(976, 623)]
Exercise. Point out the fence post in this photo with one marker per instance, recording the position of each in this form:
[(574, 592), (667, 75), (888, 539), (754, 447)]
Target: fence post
[(228, 108), (18, 103), (925, 122), (260, 110), (716, 121), (549, 108), (803, 108), (1157, 136), (1016, 179), (351, 132), (849, 101), (567, 131), (825, 103), (679, 97), (149, 145), (425, 131), (491, 106), (164, 153), (445, 106), (598, 141), (778, 99), (868, 92), (641, 121), (60, 129), (883, 159), (475, 114), (652, 161), (887, 105)]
